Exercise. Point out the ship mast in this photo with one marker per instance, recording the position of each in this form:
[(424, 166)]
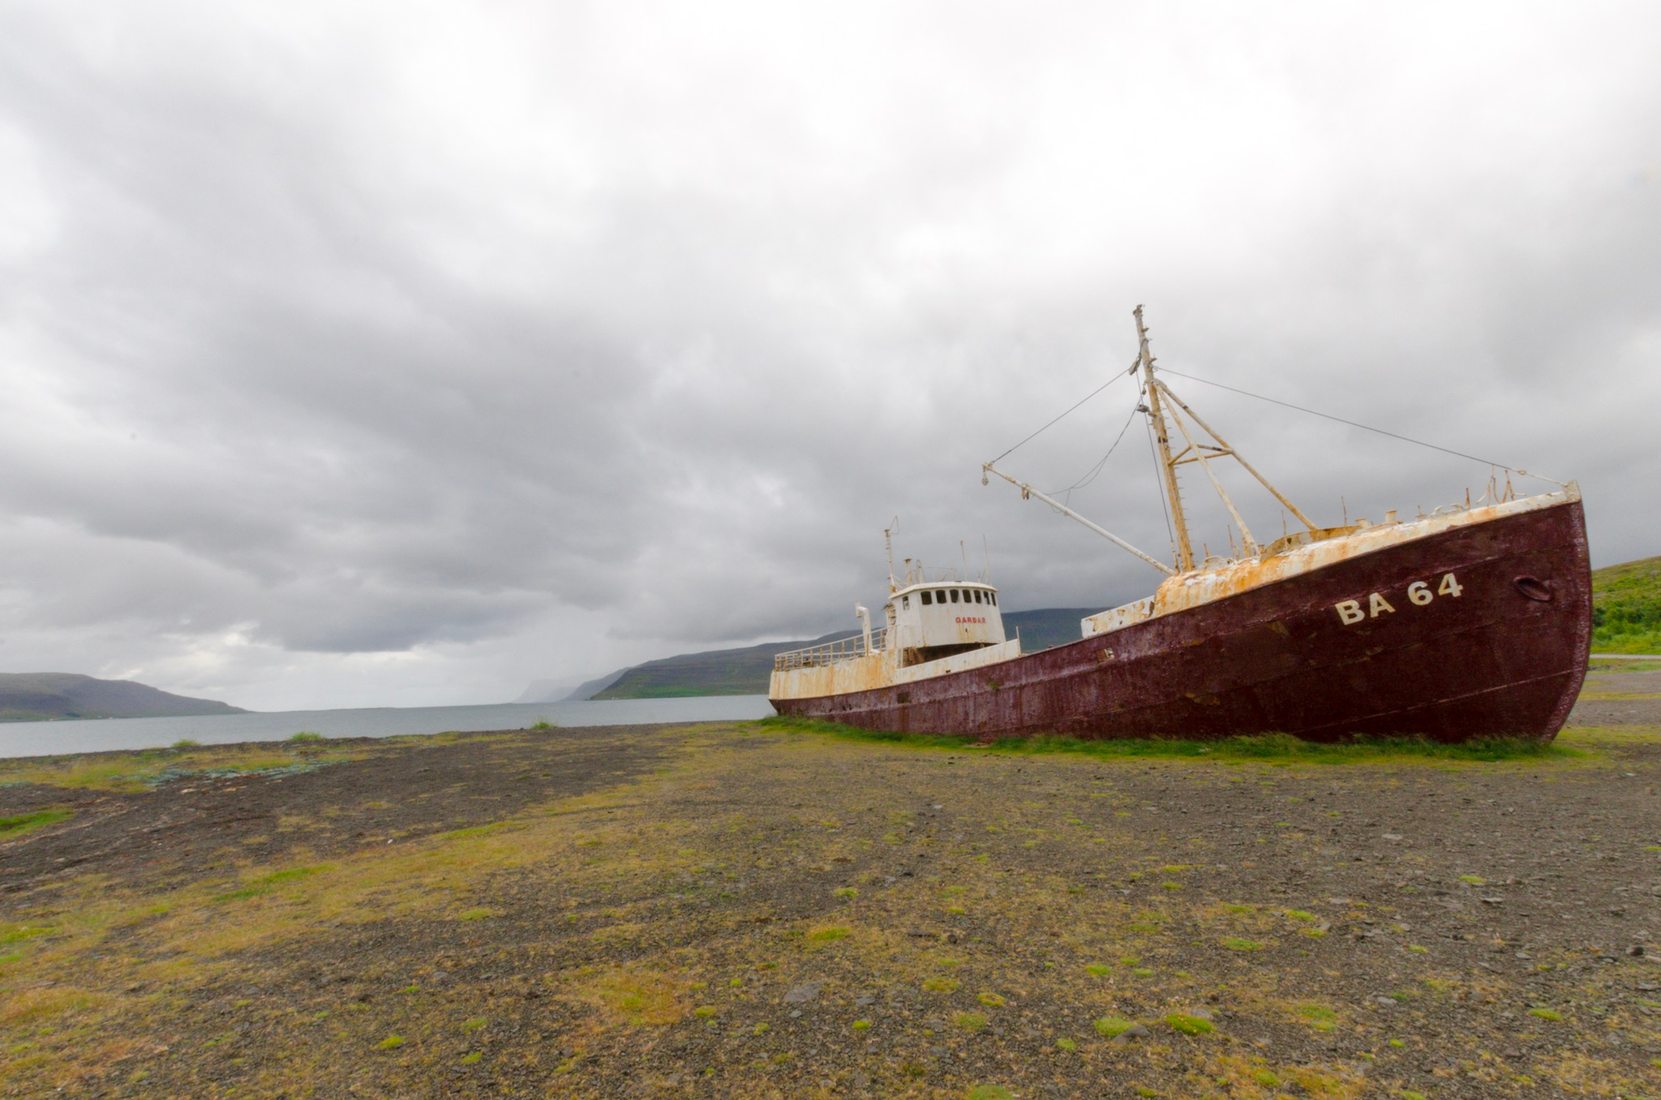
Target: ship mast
[(1167, 467), (1165, 409)]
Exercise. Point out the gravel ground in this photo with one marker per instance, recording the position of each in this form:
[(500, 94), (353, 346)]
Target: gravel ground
[(734, 910)]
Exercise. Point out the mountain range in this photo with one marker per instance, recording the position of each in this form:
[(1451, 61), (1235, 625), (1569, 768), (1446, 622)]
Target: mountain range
[(37, 696)]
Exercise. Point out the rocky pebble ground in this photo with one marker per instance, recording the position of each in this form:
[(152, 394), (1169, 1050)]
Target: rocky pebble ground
[(745, 910)]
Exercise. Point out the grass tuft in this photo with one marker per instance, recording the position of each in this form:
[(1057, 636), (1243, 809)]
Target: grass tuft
[(827, 934), (264, 884), (1189, 1025), (16, 825)]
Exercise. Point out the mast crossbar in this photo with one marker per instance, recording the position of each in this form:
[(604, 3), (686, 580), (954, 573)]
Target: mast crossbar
[(1249, 468), (1246, 539)]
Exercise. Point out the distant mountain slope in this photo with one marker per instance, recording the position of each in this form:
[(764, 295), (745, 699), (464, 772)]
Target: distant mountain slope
[(560, 691), (1626, 607), (33, 696), (713, 672), (745, 671)]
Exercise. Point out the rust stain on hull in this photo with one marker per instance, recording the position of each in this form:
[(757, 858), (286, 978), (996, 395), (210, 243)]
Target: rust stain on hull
[(1505, 657)]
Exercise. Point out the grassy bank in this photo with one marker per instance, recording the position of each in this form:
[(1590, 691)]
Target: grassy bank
[(1626, 607), (1278, 749)]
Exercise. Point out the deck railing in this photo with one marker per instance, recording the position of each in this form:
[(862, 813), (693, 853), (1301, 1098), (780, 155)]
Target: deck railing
[(829, 653)]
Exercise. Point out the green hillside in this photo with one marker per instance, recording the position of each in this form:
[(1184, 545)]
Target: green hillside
[(745, 671), (713, 672), (37, 696), (1626, 607)]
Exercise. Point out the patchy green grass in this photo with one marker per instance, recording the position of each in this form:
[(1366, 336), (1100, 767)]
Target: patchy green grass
[(1109, 1027), (826, 934), (1189, 1025), (1595, 665), (307, 735), (266, 883), (17, 824), (145, 769), (1319, 1016), (1275, 748), (17, 933)]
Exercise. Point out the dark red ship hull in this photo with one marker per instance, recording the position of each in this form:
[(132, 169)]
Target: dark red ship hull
[(1504, 657)]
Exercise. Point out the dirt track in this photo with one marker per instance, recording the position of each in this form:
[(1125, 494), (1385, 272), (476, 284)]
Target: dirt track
[(714, 911)]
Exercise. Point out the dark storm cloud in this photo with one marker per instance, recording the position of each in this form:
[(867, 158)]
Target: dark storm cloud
[(372, 355)]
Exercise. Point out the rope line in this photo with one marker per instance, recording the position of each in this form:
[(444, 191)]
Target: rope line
[(1096, 470), (1052, 423), (1341, 420)]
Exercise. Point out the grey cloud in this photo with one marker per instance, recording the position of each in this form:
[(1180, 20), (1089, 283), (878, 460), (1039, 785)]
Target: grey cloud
[(517, 342)]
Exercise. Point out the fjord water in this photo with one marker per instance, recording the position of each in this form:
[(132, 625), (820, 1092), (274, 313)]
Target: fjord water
[(98, 735)]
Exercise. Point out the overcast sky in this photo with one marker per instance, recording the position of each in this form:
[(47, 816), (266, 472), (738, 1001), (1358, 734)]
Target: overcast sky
[(401, 353)]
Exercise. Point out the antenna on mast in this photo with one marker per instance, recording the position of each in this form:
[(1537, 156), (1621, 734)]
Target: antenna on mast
[(888, 541)]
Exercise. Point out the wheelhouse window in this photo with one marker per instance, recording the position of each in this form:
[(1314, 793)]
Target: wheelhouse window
[(927, 598), (954, 593), (976, 592), (992, 598), (905, 601)]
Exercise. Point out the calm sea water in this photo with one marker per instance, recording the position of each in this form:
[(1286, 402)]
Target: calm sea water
[(47, 738)]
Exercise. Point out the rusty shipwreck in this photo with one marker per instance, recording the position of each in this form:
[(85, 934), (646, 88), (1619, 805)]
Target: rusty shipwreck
[(1473, 621)]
